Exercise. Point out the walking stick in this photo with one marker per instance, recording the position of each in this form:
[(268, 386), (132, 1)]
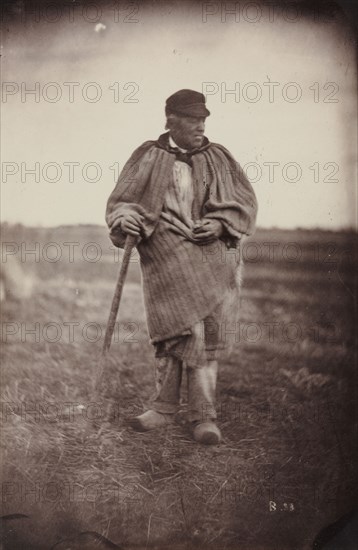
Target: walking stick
[(130, 243)]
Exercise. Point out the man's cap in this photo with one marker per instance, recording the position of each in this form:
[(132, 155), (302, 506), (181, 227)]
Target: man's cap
[(187, 103)]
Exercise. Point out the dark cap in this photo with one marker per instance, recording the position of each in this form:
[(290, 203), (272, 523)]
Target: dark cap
[(187, 103)]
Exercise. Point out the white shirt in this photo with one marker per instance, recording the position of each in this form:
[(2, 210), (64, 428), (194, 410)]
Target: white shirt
[(180, 194)]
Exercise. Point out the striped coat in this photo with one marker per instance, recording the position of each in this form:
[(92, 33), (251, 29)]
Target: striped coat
[(183, 282)]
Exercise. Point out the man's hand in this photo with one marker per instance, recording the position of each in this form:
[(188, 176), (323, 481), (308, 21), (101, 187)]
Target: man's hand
[(208, 231), (131, 224)]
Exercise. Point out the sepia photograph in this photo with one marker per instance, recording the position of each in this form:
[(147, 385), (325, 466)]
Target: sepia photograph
[(178, 275)]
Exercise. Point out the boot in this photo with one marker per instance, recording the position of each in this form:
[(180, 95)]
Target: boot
[(206, 433)]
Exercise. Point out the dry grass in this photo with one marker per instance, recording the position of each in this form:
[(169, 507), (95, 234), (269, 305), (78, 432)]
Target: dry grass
[(286, 409)]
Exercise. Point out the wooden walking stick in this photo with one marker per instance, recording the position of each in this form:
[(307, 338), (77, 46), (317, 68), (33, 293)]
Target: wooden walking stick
[(131, 241)]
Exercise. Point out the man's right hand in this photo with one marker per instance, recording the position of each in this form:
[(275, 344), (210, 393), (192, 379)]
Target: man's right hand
[(131, 224)]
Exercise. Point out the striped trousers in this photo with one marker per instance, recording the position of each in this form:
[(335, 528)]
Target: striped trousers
[(201, 388), (198, 351)]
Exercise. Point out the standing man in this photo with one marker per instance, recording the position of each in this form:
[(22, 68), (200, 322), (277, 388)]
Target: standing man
[(189, 203)]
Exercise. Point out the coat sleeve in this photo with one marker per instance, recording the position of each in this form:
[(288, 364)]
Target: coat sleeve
[(231, 199), (124, 198)]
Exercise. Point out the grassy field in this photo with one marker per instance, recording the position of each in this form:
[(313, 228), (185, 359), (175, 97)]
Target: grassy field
[(73, 470)]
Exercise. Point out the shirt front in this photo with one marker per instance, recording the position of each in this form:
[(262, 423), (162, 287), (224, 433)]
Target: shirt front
[(180, 193)]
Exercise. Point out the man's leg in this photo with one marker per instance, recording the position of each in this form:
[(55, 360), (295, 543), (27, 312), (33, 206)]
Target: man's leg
[(202, 414), (168, 377), (168, 373), (201, 392), (202, 378)]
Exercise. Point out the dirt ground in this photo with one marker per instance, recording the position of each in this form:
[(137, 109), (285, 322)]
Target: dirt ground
[(74, 474)]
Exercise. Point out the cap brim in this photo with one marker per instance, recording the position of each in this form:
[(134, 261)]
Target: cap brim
[(197, 109)]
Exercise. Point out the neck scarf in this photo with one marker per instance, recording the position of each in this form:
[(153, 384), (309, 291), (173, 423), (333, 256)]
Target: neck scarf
[(183, 156)]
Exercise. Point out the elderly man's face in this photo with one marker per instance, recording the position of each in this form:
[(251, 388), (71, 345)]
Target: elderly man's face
[(188, 131)]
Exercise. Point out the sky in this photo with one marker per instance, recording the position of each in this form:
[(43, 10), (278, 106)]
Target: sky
[(281, 89)]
